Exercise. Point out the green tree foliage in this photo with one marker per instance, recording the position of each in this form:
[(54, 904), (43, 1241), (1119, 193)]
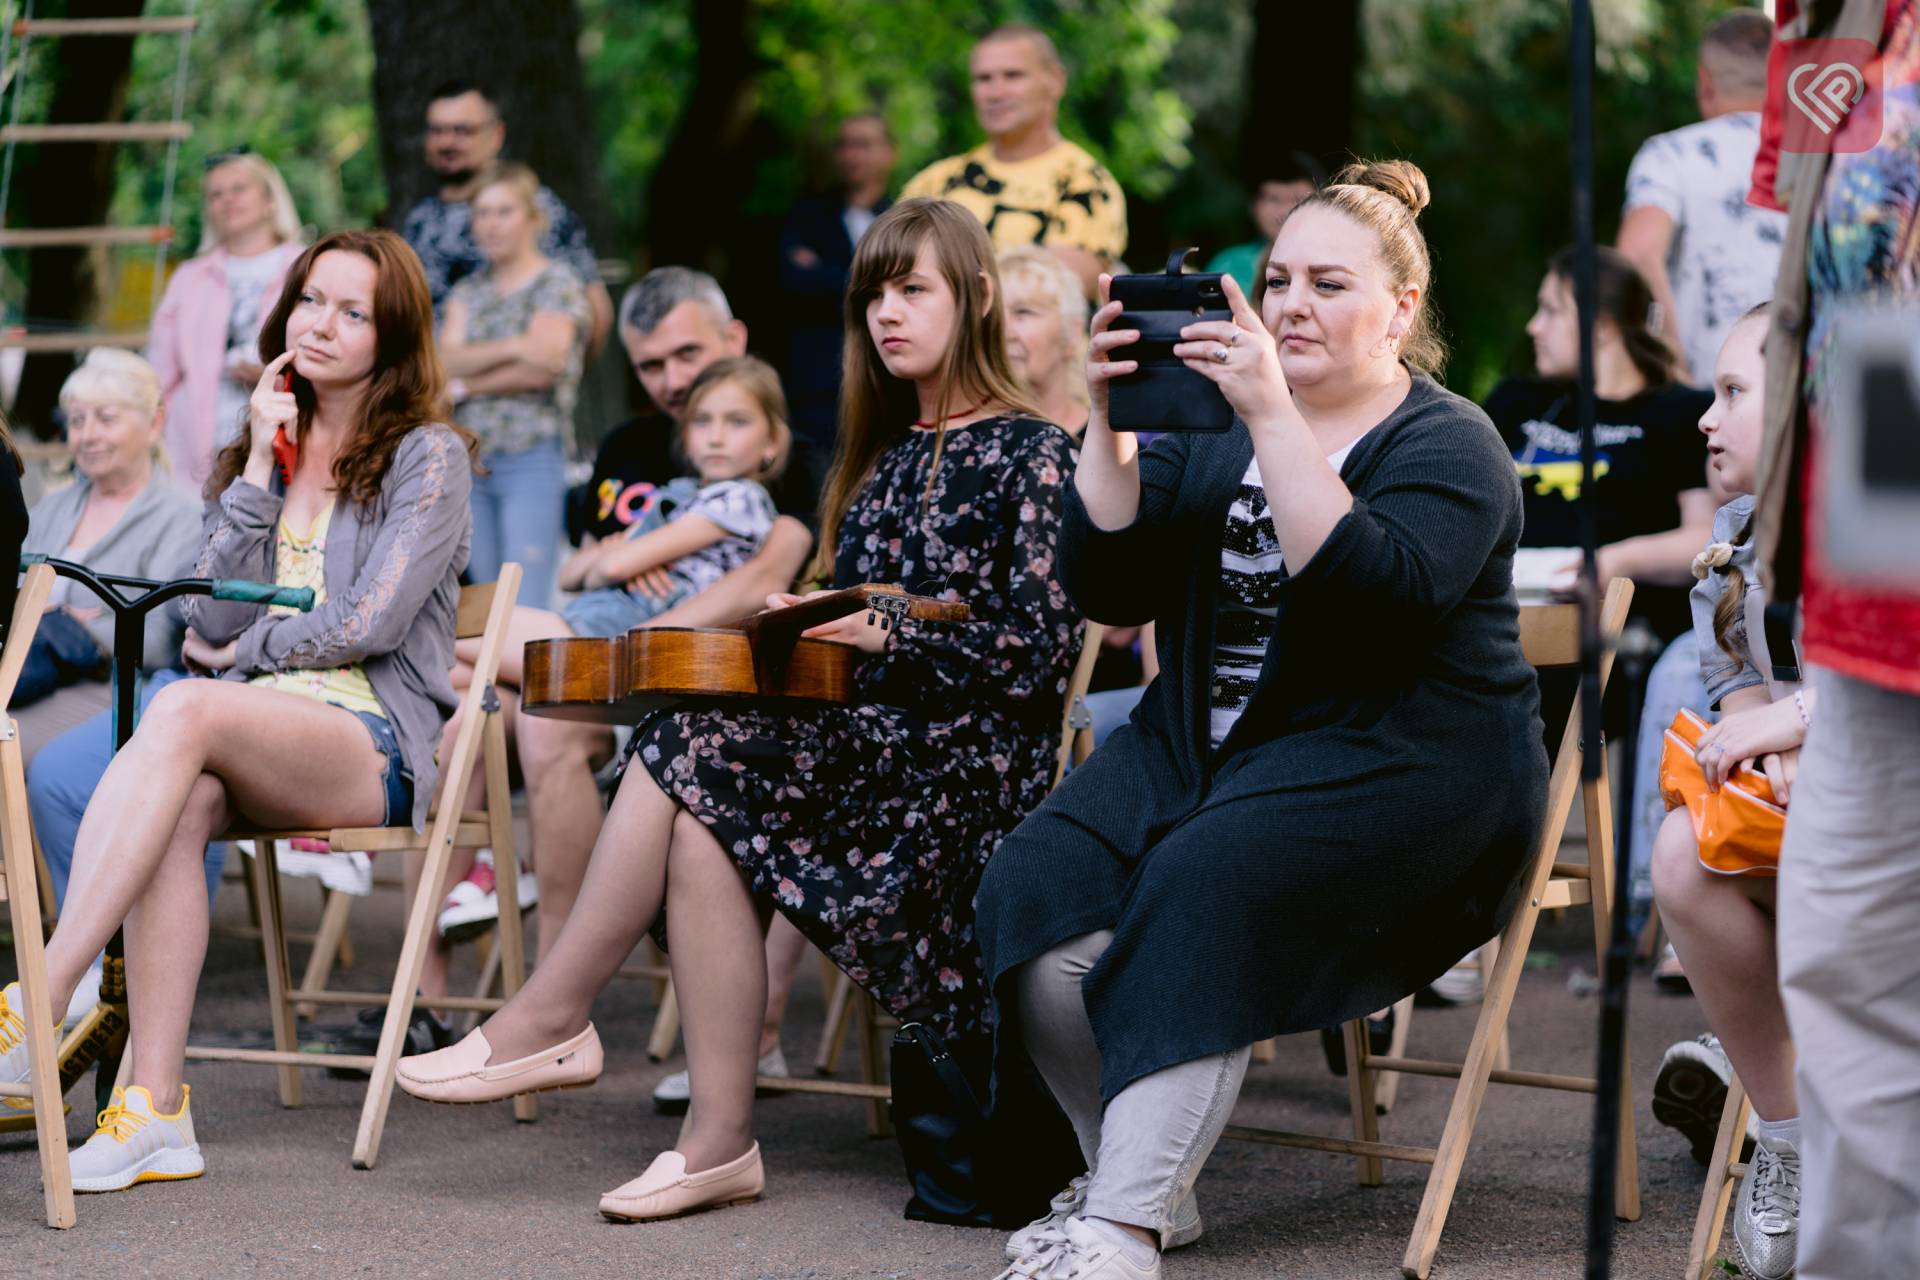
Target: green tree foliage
[(1475, 92), (823, 59), (289, 78)]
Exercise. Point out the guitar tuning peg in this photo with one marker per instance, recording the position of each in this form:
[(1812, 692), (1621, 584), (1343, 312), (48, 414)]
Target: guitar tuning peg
[(870, 616)]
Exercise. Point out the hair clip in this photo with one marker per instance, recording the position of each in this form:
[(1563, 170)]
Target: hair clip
[(1656, 319)]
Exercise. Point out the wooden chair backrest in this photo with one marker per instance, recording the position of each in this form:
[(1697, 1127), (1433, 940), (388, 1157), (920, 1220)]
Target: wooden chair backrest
[(1550, 633), (470, 618), (27, 608)]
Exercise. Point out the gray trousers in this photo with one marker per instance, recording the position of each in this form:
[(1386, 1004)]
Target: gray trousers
[(1145, 1148), (1850, 971)]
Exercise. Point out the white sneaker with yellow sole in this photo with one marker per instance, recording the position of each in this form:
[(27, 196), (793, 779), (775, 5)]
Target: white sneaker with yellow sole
[(136, 1143)]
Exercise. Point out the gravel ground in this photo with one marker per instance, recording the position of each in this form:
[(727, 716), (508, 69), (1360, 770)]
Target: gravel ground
[(464, 1192)]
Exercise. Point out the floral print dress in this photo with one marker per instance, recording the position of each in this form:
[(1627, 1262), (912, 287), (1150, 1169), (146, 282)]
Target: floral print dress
[(868, 825)]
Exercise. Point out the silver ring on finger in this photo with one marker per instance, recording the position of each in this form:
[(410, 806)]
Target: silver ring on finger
[(1234, 339), (1220, 354)]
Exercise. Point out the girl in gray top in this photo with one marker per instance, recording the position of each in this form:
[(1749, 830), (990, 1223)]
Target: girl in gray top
[(319, 719)]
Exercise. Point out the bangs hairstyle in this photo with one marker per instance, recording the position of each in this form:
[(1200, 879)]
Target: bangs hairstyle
[(407, 386), (286, 219), (877, 410), (757, 378)]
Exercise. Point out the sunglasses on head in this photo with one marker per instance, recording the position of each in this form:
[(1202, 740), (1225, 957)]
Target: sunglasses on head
[(218, 158)]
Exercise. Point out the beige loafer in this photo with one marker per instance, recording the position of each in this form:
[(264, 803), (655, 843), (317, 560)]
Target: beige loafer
[(460, 1074), (667, 1190)]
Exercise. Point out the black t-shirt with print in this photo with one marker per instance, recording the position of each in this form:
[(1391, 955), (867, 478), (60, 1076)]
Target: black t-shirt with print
[(640, 455), (1647, 452)]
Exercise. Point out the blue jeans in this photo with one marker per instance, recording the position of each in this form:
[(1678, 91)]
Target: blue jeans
[(1673, 683), (519, 512), (62, 779)]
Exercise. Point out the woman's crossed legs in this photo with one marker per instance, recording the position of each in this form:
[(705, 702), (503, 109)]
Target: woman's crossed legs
[(206, 752)]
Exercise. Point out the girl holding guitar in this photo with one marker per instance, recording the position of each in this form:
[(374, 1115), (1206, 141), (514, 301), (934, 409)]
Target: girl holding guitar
[(866, 824)]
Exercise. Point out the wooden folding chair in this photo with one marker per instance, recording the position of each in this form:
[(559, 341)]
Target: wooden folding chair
[(484, 612), (1550, 635), (1724, 1172), (848, 1004), (20, 886)]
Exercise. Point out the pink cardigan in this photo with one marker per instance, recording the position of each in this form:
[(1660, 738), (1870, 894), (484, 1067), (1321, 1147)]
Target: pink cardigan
[(188, 349)]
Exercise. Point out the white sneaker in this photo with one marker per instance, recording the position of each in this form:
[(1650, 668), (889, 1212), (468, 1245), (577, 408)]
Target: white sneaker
[(348, 872), (1077, 1250), (135, 1143), (671, 1095), (15, 1066), (85, 996), (1690, 1091), (473, 906), (1766, 1222), (1073, 1199), (1462, 984)]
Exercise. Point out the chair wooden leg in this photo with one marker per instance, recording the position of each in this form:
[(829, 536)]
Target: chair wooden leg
[(1503, 1051), (1721, 1180), (18, 849), (839, 1014), (511, 946), (489, 978), (666, 1026), (1646, 947), (1386, 1085), (406, 983), (1599, 804), (1360, 1097), (49, 909), (328, 943), (1264, 1051), (1471, 1090), (873, 1063), (273, 951)]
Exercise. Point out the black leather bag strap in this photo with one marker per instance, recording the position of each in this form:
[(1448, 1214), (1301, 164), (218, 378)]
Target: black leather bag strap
[(945, 1069)]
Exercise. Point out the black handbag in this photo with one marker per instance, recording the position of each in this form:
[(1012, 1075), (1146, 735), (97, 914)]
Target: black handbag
[(971, 1163)]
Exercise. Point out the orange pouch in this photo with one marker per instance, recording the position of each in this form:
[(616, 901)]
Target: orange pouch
[(1739, 826)]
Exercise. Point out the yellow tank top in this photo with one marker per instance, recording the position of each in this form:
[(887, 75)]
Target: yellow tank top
[(301, 561)]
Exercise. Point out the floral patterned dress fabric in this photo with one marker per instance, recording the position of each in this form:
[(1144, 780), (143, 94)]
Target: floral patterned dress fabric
[(869, 824), (1865, 245)]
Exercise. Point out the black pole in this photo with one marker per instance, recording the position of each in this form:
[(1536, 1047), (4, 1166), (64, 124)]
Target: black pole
[(1613, 1001)]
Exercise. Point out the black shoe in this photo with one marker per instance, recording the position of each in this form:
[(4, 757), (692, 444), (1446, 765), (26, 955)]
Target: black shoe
[(1333, 1041), (424, 1034), (1690, 1092)]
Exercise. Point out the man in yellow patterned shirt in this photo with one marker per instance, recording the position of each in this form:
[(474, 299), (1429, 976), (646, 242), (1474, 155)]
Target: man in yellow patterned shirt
[(1026, 183)]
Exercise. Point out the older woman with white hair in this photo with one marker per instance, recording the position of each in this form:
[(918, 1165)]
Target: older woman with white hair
[(205, 338), (1047, 333), (121, 515)]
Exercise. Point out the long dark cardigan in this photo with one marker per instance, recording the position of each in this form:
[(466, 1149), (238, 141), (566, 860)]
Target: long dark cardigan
[(1366, 822)]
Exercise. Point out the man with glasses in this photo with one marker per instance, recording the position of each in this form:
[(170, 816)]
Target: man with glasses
[(464, 137)]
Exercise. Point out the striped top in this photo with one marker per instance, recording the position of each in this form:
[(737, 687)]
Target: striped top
[(1251, 568)]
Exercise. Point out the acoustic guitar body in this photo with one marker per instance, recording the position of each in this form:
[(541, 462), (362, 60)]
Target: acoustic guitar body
[(619, 679)]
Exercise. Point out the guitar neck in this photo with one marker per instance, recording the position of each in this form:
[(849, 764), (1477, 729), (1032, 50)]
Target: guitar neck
[(813, 612)]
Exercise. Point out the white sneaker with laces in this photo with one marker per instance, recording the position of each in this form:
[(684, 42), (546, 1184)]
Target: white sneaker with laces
[(1766, 1222), (85, 996), (1465, 983), (473, 906), (136, 1143), (15, 1066), (1077, 1250), (671, 1095), (1073, 1199)]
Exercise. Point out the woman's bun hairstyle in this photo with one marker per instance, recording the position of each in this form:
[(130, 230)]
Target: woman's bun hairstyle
[(1400, 179)]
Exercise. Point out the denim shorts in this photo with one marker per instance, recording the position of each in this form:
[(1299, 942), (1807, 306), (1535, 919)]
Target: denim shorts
[(612, 611), (399, 781)]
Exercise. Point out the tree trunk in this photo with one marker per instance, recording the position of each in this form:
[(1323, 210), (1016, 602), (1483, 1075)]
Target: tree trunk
[(69, 184), (702, 180), (527, 55), (1304, 69)]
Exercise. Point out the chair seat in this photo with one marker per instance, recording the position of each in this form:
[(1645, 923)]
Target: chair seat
[(472, 831)]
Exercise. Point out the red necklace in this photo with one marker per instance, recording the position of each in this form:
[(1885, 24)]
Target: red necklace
[(950, 417)]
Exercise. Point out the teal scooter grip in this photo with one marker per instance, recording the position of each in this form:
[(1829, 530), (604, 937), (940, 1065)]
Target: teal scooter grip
[(262, 593)]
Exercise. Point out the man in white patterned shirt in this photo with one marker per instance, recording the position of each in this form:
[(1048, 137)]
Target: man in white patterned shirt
[(1707, 253)]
